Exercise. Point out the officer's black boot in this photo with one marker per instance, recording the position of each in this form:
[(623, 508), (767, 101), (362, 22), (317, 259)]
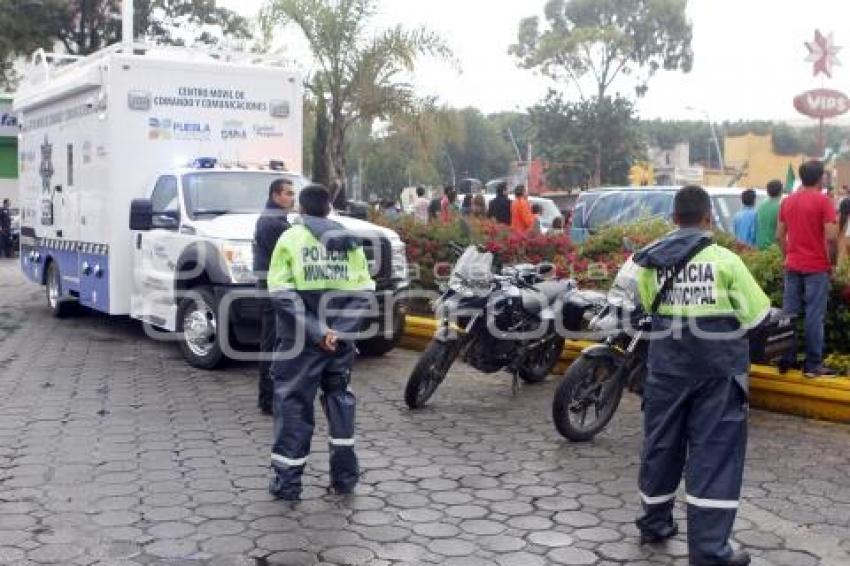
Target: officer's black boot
[(738, 558), (264, 403), (265, 408), (657, 535), (280, 490)]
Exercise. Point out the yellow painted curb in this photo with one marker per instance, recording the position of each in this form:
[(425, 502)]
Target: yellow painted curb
[(791, 393)]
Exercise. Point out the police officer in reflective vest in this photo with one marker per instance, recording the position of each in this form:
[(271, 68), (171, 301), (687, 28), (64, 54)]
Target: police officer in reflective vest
[(270, 225), (696, 394), (320, 283)]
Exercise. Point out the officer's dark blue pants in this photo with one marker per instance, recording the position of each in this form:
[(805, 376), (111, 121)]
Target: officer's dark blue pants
[(296, 382), (268, 340), (700, 426)]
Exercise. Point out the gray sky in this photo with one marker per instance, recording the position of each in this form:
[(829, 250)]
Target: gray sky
[(749, 55)]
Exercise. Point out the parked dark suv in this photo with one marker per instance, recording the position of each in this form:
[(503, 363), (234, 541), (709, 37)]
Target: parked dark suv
[(597, 208)]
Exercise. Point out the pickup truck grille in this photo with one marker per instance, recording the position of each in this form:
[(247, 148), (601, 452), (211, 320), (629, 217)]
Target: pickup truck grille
[(380, 264)]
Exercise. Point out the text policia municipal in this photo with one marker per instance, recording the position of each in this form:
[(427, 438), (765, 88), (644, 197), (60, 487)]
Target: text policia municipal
[(321, 264), (694, 285)]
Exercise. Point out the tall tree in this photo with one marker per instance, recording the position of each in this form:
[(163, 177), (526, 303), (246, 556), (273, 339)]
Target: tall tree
[(361, 74), (81, 27), (569, 134), (410, 150), (483, 152), (320, 143), (598, 41)]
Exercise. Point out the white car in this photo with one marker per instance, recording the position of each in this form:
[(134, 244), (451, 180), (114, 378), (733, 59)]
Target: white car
[(547, 217)]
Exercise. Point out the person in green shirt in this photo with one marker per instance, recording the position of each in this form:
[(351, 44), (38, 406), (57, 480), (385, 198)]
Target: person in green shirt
[(767, 214)]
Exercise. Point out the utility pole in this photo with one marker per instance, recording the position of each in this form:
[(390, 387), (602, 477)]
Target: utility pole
[(516, 147), (713, 135), (452, 167)]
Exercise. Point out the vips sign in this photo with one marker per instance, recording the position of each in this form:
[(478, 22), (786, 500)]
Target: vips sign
[(822, 103)]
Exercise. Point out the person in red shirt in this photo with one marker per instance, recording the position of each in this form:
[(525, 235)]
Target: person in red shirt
[(806, 232), (447, 204), (522, 219)]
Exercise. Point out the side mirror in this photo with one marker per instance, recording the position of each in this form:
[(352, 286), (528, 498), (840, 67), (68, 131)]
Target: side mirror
[(168, 220), (141, 214)]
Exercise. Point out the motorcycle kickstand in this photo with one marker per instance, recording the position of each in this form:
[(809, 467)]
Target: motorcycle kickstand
[(515, 383)]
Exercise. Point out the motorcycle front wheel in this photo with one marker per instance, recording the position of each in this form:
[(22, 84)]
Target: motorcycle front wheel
[(430, 371), (587, 398), (539, 363)]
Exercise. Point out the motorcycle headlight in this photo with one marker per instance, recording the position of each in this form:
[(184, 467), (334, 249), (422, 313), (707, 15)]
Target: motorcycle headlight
[(399, 261), (239, 259)]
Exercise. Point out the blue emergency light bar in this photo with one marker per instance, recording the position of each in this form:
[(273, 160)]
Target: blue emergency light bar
[(204, 163)]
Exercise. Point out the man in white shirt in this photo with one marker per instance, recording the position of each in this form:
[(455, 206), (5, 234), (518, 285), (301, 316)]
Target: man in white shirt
[(420, 206)]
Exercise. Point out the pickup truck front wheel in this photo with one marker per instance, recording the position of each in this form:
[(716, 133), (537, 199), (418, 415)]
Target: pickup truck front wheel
[(197, 325)]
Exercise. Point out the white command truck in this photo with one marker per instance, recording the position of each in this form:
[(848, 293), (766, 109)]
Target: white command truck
[(142, 174)]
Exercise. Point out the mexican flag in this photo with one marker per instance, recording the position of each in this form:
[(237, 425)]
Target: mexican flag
[(790, 180)]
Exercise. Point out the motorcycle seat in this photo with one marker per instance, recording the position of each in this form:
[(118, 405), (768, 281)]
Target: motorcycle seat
[(544, 295)]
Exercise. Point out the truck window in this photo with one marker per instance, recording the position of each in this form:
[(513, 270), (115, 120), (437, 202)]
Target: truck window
[(646, 205), (580, 210), (165, 202), (604, 211), (629, 206), (235, 192)]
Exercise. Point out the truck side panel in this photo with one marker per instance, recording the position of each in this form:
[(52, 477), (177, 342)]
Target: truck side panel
[(59, 168), (96, 136), (164, 114)]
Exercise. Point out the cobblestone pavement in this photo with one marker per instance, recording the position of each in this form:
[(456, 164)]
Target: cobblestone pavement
[(114, 452)]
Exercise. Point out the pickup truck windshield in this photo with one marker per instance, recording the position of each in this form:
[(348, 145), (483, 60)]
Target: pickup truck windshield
[(231, 192)]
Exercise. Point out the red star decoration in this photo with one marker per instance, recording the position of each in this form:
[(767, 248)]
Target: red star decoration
[(823, 53)]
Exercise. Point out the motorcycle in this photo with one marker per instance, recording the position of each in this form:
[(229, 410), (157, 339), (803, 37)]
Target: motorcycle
[(492, 322), (590, 392), (593, 385)]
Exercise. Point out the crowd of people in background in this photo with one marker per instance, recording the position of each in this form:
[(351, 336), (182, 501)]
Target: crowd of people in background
[(521, 215), (811, 230)]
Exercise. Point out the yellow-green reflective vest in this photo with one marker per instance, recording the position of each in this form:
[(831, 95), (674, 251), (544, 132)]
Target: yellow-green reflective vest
[(300, 262), (715, 283)]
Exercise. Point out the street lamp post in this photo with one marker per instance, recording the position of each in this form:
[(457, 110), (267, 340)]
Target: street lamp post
[(713, 134), (452, 167)]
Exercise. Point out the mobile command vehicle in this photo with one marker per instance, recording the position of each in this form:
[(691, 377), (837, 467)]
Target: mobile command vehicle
[(143, 171)]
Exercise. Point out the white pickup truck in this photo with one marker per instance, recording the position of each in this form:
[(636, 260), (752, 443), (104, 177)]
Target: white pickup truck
[(184, 146)]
